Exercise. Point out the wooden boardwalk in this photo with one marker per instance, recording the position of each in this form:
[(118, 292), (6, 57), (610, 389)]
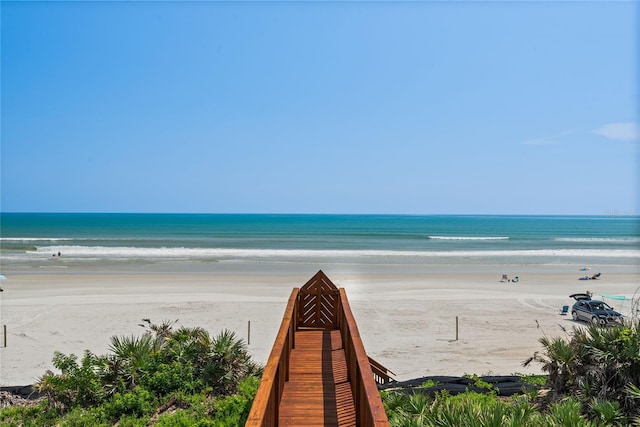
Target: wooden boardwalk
[(318, 373), (318, 392)]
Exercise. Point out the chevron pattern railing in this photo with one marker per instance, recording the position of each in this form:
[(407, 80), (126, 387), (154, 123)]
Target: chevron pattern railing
[(318, 303)]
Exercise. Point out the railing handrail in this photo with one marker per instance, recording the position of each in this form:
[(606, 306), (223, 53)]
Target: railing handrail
[(264, 411), (366, 397), (381, 374), (369, 409)]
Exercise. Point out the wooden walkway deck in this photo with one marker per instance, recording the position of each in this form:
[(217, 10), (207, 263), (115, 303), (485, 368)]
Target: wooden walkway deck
[(318, 373), (318, 392)]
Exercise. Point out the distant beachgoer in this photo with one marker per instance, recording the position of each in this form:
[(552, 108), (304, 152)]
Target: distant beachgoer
[(59, 254)]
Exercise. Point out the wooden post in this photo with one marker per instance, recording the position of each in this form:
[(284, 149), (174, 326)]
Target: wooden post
[(456, 328), (4, 335), (248, 332)]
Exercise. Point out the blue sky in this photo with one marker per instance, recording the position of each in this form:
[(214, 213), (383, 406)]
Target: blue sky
[(341, 107)]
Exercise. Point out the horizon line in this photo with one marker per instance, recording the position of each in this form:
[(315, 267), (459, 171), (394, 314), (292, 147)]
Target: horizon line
[(611, 213)]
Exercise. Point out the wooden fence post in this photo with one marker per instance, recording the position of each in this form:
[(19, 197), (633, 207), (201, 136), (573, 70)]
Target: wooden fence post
[(456, 328)]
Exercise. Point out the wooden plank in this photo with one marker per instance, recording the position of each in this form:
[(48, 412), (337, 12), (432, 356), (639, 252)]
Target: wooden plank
[(318, 375), (317, 393)]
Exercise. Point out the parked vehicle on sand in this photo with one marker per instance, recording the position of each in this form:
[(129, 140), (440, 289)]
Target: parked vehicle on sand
[(593, 311)]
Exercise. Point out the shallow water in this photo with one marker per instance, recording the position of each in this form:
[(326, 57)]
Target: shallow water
[(35, 240)]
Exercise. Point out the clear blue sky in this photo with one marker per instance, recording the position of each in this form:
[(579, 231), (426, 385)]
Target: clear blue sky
[(358, 107)]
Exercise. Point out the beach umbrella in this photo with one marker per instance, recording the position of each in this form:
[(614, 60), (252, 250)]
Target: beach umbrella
[(585, 269)]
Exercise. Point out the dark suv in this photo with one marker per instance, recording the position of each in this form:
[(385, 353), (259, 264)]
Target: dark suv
[(594, 311)]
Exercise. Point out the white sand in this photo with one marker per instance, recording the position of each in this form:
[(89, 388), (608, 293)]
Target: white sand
[(406, 314)]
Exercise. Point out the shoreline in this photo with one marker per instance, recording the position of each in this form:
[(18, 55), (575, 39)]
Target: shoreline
[(406, 314)]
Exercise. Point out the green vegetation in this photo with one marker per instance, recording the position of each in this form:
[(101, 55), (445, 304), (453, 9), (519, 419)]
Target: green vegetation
[(487, 410), (166, 377), (183, 377), (429, 384), (478, 382), (595, 364), (593, 380), (534, 379)]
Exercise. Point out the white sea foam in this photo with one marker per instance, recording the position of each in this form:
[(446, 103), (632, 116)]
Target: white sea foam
[(33, 239), (104, 252), (79, 239), (468, 238), (598, 239)]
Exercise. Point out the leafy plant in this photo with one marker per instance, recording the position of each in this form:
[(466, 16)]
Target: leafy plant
[(568, 413), (479, 382), (182, 369), (534, 379), (138, 402), (608, 413), (33, 415), (595, 364), (429, 383)]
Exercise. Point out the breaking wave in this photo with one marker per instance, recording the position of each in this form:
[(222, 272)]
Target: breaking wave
[(468, 238), (104, 252)]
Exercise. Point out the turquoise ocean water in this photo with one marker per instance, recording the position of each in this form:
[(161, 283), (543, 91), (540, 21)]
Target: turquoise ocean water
[(30, 240)]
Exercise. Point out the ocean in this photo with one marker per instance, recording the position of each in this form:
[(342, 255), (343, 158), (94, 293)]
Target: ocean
[(32, 240)]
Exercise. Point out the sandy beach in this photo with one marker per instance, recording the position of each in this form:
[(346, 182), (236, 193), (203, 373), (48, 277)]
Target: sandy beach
[(405, 313)]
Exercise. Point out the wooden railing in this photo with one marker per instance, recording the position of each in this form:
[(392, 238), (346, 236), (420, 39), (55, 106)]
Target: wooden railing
[(318, 303), (360, 369), (366, 398), (380, 374), (264, 412)]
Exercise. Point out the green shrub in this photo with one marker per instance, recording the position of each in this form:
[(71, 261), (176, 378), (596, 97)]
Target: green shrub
[(479, 382), (133, 421), (429, 384), (472, 409), (523, 412), (233, 410), (607, 413), (393, 401), (184, 367), (248, 387), (80, 417), (168, 378), (28, 416), (79, 381), (595, 362), (534, 379), (138, 402), (568, 413), (184, 419)]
